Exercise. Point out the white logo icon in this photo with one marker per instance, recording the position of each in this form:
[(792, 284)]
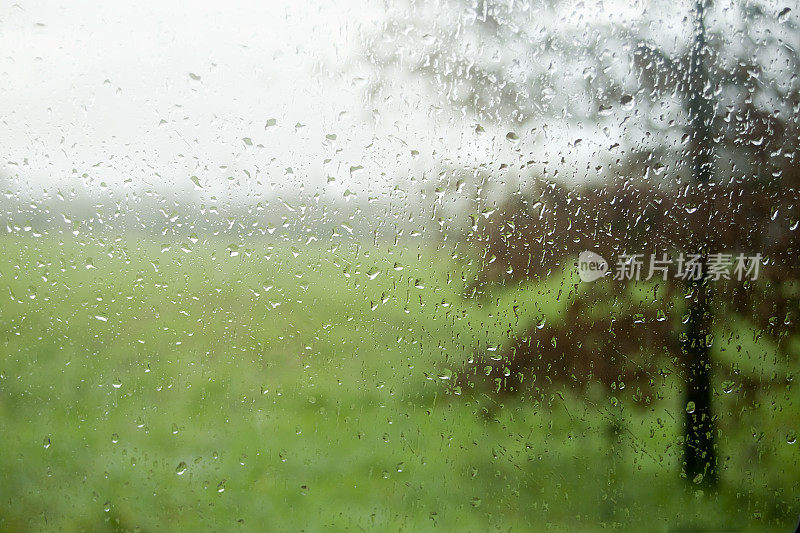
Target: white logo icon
[(591, 266)]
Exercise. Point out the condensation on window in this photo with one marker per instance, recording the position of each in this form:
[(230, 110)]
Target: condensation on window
[(434, 264)]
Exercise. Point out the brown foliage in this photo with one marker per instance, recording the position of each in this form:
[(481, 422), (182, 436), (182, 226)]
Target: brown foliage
[(538, 234)]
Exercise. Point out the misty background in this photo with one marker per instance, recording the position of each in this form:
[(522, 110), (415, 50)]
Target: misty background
[(304, 117)]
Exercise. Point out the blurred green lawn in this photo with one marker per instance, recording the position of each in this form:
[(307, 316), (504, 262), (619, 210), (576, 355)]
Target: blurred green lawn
[(204, 386)]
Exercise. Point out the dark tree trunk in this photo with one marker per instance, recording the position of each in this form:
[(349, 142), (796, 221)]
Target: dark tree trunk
[(699, 449), (699, 452)]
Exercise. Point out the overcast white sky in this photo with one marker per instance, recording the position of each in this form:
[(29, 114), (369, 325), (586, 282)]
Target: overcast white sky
[(158, 93), (148, 96), (151, 95)]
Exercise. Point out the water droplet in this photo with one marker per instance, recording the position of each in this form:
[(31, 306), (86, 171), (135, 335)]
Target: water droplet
[(604, 110), (626, 102)]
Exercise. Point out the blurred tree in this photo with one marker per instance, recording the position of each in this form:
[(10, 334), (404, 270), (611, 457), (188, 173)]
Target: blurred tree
[(707, 122), (699, 452)]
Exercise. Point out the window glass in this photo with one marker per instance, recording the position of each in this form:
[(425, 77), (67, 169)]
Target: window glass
[(399, 266)]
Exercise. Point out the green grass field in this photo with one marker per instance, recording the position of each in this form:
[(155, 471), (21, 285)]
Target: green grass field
[(221, 385)]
